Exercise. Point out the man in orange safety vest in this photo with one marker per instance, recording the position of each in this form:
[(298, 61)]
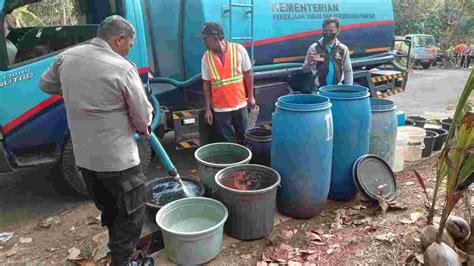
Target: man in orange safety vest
[(228, 86)]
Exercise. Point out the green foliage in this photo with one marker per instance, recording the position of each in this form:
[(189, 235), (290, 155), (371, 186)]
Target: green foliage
[(418, 17), (46, 13), (449, 21), (456, 162), (26, 18)]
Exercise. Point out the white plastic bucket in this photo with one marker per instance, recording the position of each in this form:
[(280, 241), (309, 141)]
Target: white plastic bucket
[(414, 152), (415, 135), (400, 152)]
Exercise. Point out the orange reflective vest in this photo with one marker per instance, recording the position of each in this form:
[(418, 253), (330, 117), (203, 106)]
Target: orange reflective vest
[(228, 90)]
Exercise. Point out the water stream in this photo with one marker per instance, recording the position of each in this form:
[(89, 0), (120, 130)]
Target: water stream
[(166, 192)]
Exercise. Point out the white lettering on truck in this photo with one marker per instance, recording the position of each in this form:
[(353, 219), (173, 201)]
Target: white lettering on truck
[(15, 77)]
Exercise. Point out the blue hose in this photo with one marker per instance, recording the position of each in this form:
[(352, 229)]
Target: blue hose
[(156, 106), (155, 143), (160, 151), (189, 82)]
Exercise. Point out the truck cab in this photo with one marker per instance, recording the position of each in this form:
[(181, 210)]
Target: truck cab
[(33, 124), (423, 49)]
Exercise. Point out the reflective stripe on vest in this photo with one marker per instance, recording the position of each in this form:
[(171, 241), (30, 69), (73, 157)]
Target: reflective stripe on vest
[(228, 88)]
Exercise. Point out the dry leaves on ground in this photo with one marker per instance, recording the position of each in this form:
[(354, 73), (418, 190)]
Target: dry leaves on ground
[(287, 232), (92, 220), (85, 262), (413, 218), (395, 206), (311, 236), (53, 220), (246, 256), (389, 237), (365, 220), (43, 225), (281, 253), (25, 240), (73, 253)]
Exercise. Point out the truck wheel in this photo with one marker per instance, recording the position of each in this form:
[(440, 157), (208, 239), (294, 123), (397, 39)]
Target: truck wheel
[(426, 65), (73, 176)]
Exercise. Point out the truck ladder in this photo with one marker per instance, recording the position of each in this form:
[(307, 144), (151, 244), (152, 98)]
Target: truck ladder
[(250, 9)]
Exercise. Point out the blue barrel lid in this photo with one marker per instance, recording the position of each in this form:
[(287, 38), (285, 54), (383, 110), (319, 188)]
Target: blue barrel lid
[(382, 105), (303, 102), (344, 92)]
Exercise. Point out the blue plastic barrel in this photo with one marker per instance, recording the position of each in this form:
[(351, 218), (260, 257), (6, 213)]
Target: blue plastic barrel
[(351, 112), (383, 132), (301, 152), (259, 141)]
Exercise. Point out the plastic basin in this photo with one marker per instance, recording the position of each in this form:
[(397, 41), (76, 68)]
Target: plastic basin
[(214, 157), (414, 152), (442, 135), (409, 122), (430, 141), (415, 135), (419, 121), (400, 152), (446, 123), (249, 193), (159, 190), (193, 229)]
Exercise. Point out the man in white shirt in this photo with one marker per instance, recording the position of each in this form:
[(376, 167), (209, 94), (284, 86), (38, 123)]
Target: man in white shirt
[(228, 86)]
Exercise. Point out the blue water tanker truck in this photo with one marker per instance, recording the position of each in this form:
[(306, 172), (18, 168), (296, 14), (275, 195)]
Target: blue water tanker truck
[(167, 52)]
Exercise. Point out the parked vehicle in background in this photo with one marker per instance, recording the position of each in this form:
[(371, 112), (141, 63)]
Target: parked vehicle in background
[(423, 49), (445, 60)]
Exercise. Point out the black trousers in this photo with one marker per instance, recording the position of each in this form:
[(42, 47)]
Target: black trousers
[(467, 61), (120, 196), (232, 123)]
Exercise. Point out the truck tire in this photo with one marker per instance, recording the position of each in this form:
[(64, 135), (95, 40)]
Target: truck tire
[(426, 65), (71, 174)]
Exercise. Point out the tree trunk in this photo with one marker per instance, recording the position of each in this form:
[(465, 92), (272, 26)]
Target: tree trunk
[(63, 17)]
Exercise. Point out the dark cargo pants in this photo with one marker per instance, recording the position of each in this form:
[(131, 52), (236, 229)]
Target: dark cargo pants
[(232, 125), (120, 196)]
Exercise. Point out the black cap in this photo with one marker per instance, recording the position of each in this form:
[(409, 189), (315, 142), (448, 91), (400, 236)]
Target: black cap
[(212, 29)]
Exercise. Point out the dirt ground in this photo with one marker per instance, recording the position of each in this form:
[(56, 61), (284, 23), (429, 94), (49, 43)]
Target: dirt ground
[(46, 242), (361, 235), (344, 233)]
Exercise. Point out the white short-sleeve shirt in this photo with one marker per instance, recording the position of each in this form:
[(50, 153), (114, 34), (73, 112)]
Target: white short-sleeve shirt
[(245, 64)]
